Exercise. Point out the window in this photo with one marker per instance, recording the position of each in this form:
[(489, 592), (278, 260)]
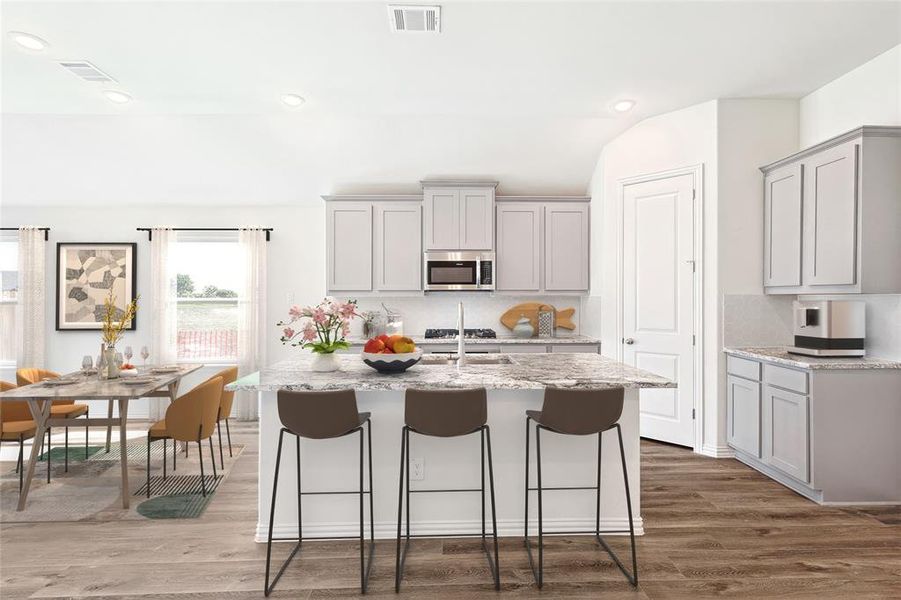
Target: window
[(209, 277), (9, 258)]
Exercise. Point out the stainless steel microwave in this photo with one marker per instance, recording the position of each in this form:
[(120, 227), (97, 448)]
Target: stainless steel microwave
[(459, 270)]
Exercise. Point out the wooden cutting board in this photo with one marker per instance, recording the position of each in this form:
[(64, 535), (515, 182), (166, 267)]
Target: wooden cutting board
[(530, 311)]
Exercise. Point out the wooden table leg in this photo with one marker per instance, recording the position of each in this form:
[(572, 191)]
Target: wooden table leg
[(123, 449), (109, 428), (40, 412)]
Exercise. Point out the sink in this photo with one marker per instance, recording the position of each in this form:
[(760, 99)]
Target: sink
[(471, 359)]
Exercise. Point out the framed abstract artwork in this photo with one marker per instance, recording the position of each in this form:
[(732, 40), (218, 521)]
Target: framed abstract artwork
[(86, 273)]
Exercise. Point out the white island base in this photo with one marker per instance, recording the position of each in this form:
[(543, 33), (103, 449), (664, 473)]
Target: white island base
[(448, 463)]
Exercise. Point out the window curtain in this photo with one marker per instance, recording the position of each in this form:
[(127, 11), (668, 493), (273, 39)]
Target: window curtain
[(30, 298), (251, 318), (163, 310)]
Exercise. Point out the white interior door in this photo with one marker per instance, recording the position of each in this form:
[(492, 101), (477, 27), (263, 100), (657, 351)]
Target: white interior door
[(658, 300)]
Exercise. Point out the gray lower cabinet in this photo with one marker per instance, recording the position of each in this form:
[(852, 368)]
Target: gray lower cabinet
[(786, 440), (743, 410), (828, 434)]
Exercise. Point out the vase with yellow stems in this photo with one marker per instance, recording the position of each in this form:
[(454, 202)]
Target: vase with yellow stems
[(113, 325)]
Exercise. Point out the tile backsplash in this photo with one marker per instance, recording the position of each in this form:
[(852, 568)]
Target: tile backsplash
[(480, 310), (758, 320)]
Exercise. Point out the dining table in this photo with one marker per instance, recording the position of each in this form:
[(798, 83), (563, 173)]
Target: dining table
[(163, 382)]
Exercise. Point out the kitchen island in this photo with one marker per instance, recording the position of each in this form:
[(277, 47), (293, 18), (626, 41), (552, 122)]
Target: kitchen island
[(515, 383)]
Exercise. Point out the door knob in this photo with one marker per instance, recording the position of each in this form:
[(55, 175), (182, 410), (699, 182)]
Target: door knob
[(628, 341)]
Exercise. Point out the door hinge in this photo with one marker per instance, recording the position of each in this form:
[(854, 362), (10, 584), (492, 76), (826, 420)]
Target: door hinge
[(692, 414), (693, 339), (694, 194)]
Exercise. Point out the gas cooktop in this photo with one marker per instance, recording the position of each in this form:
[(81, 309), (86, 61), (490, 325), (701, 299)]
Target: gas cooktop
[(452, 333)]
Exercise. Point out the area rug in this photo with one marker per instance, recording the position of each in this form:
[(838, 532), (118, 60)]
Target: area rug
[(91, 490)]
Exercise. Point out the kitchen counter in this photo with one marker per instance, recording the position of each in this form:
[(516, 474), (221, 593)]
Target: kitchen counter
[(502, 340), (513, 388), (779, 355), (525, 372)]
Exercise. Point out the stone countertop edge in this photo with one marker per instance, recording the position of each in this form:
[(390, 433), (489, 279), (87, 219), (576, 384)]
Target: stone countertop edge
[(525, 372), (780, 356), (569, 339)]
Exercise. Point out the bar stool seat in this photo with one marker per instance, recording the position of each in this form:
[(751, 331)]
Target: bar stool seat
[(577, 412), (321, 416), (445, 413)]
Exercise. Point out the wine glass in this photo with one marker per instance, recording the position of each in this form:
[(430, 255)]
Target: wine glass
[(145, 354), (128, 354), (86, 363)]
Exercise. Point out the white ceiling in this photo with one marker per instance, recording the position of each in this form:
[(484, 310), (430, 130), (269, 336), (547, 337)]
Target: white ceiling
[(513, 91)]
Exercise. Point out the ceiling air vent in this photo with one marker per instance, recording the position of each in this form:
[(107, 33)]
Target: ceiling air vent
[(85, 70), (421, 19)]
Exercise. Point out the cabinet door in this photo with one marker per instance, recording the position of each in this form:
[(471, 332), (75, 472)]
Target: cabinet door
[(785, 432), (442, 219), (398, 246), (518, 247), (349, 246), (830, 216), (476, 219), (782, 226), (743, 415), (566, 246)]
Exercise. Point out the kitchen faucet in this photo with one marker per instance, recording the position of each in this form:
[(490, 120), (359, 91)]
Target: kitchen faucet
[(461, 350)]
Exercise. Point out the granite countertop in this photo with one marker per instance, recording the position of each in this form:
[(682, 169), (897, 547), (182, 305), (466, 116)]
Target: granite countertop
[(506, 339), (779, 355), (524, 372)]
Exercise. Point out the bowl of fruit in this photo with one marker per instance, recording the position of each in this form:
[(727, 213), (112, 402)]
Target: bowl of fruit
[(391, 353)]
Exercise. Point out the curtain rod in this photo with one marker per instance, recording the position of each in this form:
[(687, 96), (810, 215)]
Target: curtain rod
[(46, 230), (149, 230)]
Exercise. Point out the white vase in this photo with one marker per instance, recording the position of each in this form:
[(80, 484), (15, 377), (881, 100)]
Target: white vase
[(325, 363)]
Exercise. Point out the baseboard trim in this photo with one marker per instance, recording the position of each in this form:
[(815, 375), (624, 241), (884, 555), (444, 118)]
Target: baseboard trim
[(388, 529), (715, 451)]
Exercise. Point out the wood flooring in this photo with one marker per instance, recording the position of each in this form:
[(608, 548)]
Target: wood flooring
[(715, 529)]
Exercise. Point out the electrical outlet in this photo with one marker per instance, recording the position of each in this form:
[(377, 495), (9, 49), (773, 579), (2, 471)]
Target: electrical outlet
[(417, 469)]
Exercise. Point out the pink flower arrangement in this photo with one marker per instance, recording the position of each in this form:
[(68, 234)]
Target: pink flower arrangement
[(321, 328)]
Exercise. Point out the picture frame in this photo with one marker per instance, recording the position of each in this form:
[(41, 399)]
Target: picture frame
[(85, 273)]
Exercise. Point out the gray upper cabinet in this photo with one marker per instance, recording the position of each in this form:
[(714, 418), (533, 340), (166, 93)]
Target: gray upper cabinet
[(782, 226), (542, 244), (458, 216), (830, 200), (831, 216), (348, 246), (566, 247), (398, 246), (519, 246)]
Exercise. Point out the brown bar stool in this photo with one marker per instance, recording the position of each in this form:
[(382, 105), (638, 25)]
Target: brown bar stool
[(322, 416), (445, 413), (577, 412)]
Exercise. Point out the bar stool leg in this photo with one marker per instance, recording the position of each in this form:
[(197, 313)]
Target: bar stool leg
[(299, 495), (202, 476), (267, 589), (148, 465), (228, 434), (496, 569), (87, 432), (212, 458), (540, 506), (362, 543), (634, 579), (221, 456), (597, 516), (398, 565), (165, 459), (21, 459)]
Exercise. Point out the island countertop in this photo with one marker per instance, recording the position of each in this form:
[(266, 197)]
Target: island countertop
[(524, 372)]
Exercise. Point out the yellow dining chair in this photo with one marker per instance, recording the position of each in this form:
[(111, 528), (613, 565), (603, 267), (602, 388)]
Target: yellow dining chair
[(228, 376), (16, 425), (190, 418), (64, 408)]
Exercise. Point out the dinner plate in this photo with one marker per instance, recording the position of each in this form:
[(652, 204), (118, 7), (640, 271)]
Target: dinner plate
[(138, 380), (59, 382)]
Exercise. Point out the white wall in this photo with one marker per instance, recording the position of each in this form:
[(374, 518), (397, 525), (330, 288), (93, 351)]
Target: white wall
[(730, 138), (868, 95), (296, 262)]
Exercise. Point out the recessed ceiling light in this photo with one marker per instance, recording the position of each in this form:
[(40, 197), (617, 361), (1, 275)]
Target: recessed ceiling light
[(117, 96), (28, 41), (293, 100), (624, 105)]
